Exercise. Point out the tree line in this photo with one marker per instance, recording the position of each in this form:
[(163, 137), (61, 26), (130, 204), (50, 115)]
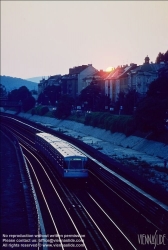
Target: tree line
[(149, 113)]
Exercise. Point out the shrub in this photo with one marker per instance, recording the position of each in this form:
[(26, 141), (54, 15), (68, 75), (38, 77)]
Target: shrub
[(43, 110), (40, 110), (115, 123), (88, 119)]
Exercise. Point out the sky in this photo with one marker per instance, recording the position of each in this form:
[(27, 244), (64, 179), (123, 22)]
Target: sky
[(44, 38)]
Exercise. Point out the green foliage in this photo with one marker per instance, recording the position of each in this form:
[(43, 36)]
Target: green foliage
[(23, 96), (37, 109), (115, 123), (40, 110), (64, 107), (28, 103), (43, 110), (50, 95), (33, 111), (128, 101), (151, 111), (162, 57), (93, 98), (88, 119), (19, 94), (159, 88), (123, 124), (3, 91), (75, 118)]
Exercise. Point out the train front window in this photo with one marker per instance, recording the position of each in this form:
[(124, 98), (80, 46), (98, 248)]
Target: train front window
[(74, 163), (77, 164)]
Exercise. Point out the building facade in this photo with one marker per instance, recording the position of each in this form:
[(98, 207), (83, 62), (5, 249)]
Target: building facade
[(141, 77), (99, 78), (117, 81), (121, 79), (52, 80), (74, 82), (132, 77)]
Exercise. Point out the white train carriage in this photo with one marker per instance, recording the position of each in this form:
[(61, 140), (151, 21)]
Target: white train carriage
[(69, 162)]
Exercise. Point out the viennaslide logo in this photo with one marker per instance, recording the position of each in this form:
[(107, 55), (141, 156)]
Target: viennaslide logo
[(152, 239)]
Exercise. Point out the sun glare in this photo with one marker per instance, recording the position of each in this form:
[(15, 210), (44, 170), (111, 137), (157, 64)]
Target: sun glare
[(109, 69)]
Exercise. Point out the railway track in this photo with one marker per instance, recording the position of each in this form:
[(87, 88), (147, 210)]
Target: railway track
[(71, 208), (95, 213)]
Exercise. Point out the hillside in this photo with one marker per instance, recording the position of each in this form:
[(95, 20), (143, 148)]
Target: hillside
[(35, 79), (12, 83)]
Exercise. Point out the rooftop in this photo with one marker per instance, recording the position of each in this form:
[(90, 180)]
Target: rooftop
[(78, 69)]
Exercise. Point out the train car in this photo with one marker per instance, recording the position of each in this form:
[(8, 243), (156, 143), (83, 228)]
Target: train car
[(69, 162)]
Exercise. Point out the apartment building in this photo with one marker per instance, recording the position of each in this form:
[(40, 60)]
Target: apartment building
[(125, 78), (74, 82)]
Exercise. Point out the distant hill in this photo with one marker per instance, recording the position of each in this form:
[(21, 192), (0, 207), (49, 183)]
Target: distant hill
[(36, 79), (12, 83)]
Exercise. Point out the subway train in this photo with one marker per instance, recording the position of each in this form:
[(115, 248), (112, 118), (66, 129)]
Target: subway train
[(68, 161), (152, 207)]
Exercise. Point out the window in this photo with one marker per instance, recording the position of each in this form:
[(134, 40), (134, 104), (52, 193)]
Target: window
[(75, 164)]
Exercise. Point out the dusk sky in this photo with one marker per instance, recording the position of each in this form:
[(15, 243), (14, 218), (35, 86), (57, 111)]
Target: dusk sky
[(43, 38)]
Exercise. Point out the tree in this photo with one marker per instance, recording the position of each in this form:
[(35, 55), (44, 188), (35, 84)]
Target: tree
[(162, 57), (166, 56), (3, 91), (127, 102), (19, 94), (50, 95), (28, 103), (159, 88), (64, 106), (120, 103), (92, 95), (43, 99), (24, 96), (151, 111)]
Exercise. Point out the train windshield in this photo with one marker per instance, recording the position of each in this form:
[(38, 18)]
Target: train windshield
[(75, 163)]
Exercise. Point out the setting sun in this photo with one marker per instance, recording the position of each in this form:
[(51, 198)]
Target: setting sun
[(109, 69)]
